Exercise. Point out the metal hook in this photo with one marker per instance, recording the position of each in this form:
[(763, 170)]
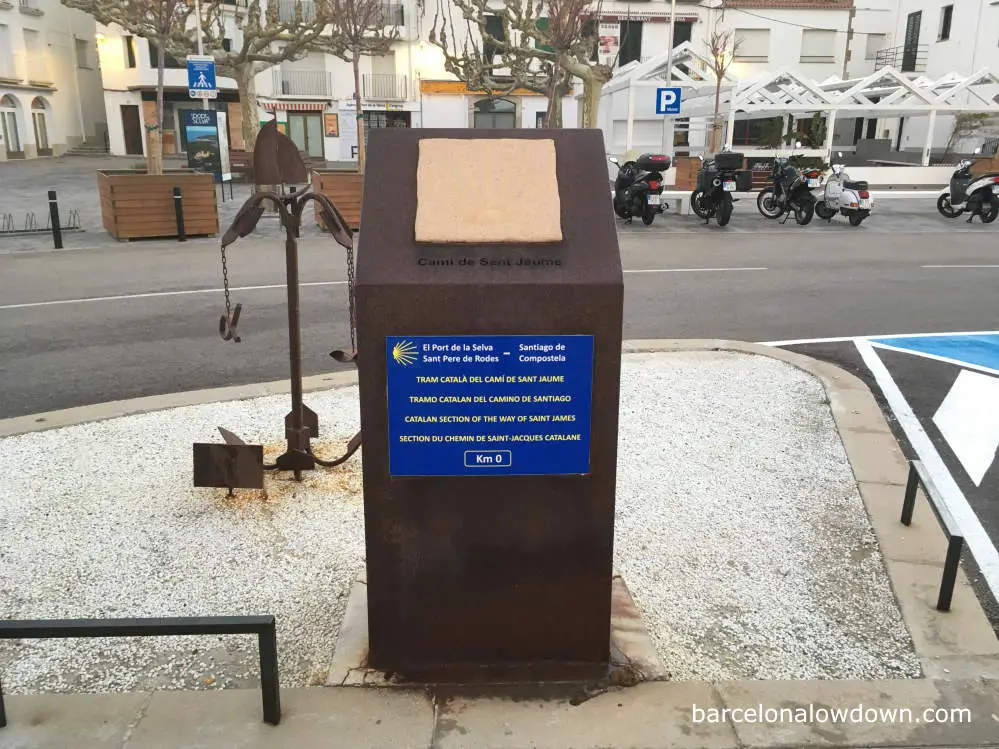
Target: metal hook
[(227, 325)]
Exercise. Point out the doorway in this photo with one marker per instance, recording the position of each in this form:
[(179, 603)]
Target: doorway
[(131, 125), (494, 114), (38, 120), (306, 131), (8, 122)]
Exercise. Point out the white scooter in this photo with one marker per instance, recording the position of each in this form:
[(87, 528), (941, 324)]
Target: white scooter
[(841, 195)]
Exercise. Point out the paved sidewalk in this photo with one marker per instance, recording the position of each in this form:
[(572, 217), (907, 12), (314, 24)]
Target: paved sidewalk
[(957, 653)]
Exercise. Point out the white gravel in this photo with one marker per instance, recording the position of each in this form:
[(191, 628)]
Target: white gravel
[(740, 530), (740, 533)]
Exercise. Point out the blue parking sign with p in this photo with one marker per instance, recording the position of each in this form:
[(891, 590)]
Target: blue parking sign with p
[(668, 101), (201, 77)]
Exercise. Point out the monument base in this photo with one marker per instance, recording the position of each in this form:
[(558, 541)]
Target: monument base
[(633, 656)]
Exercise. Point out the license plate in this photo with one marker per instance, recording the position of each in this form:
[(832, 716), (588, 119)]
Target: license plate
[(995, 189), (865, 203), (729, 186), (655, 199), (813, 183)]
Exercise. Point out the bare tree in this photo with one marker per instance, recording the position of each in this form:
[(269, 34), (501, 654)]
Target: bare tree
[(722, 48), (359, 28), (157, 21), (537, 46), (268, 32)]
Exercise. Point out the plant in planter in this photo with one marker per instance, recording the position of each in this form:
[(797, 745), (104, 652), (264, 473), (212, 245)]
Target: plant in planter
[(139, 204)]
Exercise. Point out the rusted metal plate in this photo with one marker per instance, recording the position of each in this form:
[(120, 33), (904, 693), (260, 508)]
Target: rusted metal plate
[(233, 466), (503, 574), (309, 419), (276, 160)]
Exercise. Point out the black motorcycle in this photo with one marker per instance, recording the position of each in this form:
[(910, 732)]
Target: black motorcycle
[(979, 195), (716, 181), (790, 191), (638, 189)]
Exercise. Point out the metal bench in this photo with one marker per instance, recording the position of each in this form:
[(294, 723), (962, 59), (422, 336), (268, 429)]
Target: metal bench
[(918, 476)]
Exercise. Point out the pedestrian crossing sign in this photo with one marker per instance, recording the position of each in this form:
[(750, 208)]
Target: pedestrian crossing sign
[(201, 77)]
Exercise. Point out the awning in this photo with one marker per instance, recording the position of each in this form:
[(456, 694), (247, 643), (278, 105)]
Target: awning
[(295, 106)]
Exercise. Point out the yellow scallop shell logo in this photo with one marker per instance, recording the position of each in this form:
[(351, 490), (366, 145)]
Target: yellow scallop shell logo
[(404, 353)]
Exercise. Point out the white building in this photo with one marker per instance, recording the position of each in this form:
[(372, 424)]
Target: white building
[(50, 88), (313, 98)]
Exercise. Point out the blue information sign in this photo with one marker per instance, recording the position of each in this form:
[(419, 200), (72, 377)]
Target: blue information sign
[(489, 405), (201, 77), (668, 100)]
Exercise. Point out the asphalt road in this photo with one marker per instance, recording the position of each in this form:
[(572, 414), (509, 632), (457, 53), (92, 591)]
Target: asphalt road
[(153, 325), (119, 321)]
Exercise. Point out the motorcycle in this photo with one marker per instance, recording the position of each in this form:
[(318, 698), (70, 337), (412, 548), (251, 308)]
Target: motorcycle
[(979, 195), (716, 181), (841, 195), (638, 189), (791, 191)]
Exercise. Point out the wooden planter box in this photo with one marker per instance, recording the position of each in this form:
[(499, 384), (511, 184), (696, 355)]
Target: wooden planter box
[(136, 205), (686, 172), (344, 189)]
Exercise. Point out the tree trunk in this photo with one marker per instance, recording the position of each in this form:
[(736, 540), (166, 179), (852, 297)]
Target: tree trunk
[(592, 86), (553, 115), (154, 143), (246, 86), (715, 122), (361, 147)]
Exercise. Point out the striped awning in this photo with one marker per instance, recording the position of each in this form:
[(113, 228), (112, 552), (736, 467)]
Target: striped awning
[(294, 106)]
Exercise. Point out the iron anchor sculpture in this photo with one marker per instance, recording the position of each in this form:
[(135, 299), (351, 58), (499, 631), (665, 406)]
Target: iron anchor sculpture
[(235, 464)]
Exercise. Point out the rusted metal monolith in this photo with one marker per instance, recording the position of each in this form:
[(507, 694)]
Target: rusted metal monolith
[(489, 378)]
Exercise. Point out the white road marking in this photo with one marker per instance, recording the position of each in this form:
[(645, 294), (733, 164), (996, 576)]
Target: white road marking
[(968, 419), (850, 338), (935, 357), (151, 294), (975, 536), (959, 266), (689, 270)]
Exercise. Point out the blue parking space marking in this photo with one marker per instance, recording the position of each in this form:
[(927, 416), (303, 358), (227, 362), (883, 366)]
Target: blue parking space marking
[(976, 351)]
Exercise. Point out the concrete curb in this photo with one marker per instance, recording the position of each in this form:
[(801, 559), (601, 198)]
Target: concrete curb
[(958, 650)]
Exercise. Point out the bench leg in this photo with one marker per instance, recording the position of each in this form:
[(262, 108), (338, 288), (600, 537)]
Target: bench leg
[(909, 503), (954, 547)]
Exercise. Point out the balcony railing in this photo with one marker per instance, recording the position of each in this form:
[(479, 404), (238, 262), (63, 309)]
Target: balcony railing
[(31, 7), (288, 11), (303, 83), (384, 86), (908, 59)]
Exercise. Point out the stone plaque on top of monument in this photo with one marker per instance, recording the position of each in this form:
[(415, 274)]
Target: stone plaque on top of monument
[(489, 307)]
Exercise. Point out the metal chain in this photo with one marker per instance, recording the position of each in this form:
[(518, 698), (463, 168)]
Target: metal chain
[(225, 286), (350, 297)]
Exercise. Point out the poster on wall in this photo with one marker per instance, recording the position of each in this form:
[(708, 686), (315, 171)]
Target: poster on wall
[(222, 119), (203, 151), (609, 34), (331, 125), (348, 133)]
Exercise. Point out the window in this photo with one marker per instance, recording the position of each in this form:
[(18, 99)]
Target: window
[(542, 26), (540, 119), (946, 15), (7, 69), (170, 60), (227, 44), (631, 42), (494, 113), (752, 45), (129, 42), (82, 53), (494, 27), (818, 45), (910, 52), (875, 43), (682, 31)]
